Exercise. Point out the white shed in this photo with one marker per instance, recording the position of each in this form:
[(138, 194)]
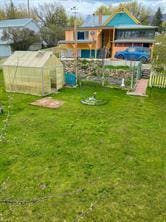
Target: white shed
[(37, 73)]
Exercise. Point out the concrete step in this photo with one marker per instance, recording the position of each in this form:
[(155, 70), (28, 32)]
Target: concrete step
[(146, 73)]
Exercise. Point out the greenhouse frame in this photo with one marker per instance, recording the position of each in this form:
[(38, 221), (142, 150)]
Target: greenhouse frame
[(37, 73)]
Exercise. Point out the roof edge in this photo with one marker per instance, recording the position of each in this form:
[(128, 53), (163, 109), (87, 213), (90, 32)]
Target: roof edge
[(32, 20)]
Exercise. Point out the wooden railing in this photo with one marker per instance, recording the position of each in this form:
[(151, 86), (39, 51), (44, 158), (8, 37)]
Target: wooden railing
[(157, 80)]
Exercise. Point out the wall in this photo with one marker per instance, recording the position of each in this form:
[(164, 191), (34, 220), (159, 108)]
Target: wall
[(81, 45), (69, 35), (59, 76), (5, 50), (90, 70), (54, 70), (25, 81)]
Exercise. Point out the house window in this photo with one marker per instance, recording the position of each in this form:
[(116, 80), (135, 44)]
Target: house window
[(135, 34), (83, 35)]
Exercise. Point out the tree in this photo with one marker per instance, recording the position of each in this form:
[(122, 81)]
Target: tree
[(159, 51), (104, 10), (139, 11), (20, 39), (54, 19), (10, 11), (135, 8), (2, 14), (71, 21), (163, 26), (52, 34), (157, 19)]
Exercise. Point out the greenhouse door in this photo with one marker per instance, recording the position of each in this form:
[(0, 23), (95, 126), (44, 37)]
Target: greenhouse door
[(53, 79), (59, 76)]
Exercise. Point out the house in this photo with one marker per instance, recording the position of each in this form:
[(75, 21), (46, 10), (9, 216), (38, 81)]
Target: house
[(102, 36), (36, 73), (5, 49)]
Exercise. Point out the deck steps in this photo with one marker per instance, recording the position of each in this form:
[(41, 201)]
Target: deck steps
[(146, 70)]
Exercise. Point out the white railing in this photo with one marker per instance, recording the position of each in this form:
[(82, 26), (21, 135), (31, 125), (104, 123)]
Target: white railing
[(157, 80)]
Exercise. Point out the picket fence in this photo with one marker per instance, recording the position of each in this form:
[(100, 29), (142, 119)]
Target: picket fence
[(157, 80)]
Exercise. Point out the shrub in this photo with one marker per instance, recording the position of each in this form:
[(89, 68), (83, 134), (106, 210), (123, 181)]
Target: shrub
[(116, 67), (159, 52)]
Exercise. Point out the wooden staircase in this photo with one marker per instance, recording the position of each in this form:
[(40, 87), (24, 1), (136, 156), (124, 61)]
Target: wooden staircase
[(146, 70)]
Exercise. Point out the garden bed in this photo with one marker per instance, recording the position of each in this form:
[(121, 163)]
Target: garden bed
[(95, 71)]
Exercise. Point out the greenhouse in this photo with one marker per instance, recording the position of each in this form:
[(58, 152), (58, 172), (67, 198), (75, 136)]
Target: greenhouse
[(36, 73)]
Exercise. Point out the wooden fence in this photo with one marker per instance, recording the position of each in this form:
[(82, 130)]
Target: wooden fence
[(157, 80)]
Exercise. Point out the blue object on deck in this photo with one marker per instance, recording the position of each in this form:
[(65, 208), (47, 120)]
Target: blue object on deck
[(70, 79)]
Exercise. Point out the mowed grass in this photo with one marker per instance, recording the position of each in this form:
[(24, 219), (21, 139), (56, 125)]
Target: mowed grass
[(104, 163)]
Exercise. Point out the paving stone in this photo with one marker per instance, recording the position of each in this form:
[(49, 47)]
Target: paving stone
[(48, 102)]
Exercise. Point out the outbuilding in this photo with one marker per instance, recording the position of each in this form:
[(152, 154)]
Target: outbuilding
[(36, 73), (16, 24)]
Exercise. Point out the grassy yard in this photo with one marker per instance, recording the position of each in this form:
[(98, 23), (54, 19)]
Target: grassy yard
[(81, 163)]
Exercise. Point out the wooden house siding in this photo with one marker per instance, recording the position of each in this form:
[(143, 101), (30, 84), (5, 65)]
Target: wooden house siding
[(121, 19)]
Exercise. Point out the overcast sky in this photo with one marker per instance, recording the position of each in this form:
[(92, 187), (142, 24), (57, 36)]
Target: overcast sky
[(86, 7)]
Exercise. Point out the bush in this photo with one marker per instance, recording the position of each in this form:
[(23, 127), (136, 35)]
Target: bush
[(159, 52)]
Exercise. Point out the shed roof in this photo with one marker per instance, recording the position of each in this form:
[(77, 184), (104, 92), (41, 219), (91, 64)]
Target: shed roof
[(15, 22), (29, 59)]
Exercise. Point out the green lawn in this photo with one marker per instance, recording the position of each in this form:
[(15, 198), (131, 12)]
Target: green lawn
[(100, 164)]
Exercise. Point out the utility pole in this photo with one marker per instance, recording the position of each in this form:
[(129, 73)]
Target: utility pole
[(74, 9), (28, 4)]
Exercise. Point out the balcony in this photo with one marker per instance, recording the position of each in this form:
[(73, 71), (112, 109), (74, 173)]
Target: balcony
[(73, 41), (135, 35)]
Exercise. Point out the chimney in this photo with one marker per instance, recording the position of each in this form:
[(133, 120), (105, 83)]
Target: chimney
[(93, 23), (100, 18)]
